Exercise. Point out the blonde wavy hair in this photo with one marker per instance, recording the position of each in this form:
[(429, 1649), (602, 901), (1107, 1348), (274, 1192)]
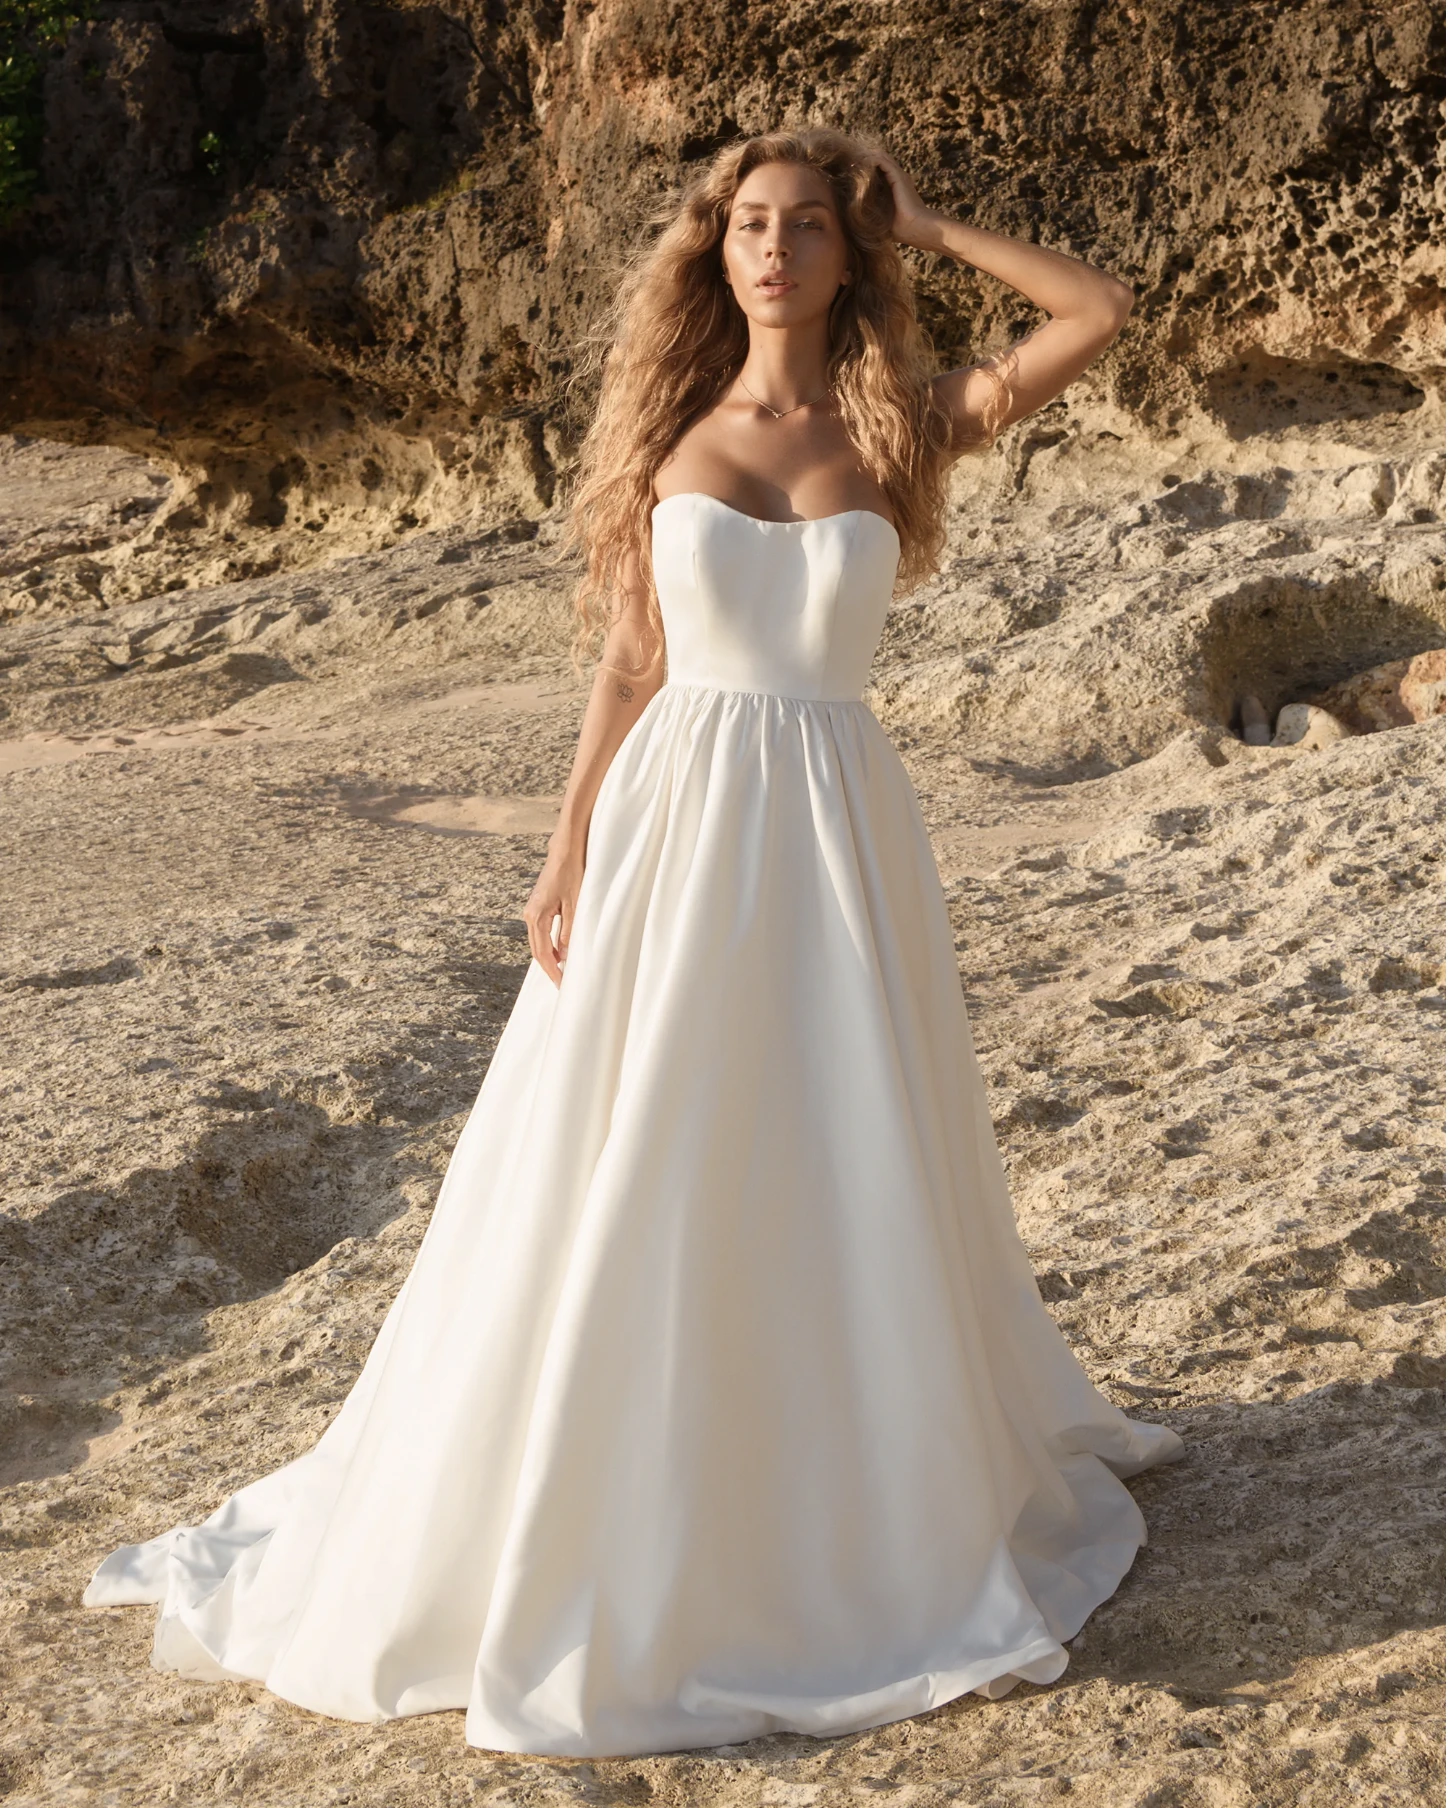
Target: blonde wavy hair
[(675, 338)]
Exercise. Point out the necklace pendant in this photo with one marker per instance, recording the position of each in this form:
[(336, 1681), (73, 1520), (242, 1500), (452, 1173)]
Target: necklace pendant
[(778, 414)]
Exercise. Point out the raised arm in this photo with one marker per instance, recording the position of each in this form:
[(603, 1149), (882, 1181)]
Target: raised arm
[(630, 670), (1087, 306)]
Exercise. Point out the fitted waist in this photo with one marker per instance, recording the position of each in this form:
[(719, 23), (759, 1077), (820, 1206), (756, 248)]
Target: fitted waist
[(688, 682)]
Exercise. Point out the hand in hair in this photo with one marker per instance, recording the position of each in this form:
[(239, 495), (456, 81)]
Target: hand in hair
[(914, 222), (1088, 308)]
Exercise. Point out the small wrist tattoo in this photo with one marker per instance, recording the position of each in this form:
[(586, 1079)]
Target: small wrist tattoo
[(625, 693)]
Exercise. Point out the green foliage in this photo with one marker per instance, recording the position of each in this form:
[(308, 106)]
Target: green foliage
[(29, 30), (39, 24), (210, 149)]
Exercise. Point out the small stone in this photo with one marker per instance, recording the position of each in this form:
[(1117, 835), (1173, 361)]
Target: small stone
[(1305, 725), (1256, 728)]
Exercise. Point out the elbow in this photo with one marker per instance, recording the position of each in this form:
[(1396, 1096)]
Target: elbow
[(1120, 299), (1105, 308)]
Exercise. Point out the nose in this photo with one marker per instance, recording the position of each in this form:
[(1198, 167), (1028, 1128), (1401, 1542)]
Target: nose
[(776, 242)]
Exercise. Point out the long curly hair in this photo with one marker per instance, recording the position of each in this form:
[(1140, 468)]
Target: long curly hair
[(675, 338)]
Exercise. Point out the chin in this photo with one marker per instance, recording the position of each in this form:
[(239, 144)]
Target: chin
[(793, 310)]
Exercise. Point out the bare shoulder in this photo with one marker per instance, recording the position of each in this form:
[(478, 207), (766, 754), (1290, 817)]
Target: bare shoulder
[(703, 454)]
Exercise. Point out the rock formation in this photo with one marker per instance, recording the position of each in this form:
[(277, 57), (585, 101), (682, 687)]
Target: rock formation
[(328, 263), (1388, 696)]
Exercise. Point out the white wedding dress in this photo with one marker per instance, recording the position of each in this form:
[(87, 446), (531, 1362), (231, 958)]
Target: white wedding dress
[(720, 1399)]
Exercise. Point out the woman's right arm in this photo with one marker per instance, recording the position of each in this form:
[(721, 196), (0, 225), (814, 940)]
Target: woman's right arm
[(626, 679)]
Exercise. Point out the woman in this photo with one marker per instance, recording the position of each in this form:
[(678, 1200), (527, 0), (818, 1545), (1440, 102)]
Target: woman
[(720, 1399)]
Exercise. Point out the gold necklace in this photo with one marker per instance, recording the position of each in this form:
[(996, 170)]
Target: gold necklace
[(779, 413)]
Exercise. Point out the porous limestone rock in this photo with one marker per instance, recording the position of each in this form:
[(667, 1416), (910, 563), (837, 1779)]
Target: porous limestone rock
[(1390, 695), (328, 264), (266, 845)]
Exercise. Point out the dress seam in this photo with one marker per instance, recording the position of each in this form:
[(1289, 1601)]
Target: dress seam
[(740, 690)]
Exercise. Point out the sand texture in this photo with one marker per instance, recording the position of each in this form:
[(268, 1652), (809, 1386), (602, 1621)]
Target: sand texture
[(266, 844)]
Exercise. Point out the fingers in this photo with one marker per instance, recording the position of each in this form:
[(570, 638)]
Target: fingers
[(543, 953), (549, 917), (540, 915), (548, 959)]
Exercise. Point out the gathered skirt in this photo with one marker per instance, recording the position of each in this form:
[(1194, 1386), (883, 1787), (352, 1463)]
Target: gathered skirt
[(720, 1399)]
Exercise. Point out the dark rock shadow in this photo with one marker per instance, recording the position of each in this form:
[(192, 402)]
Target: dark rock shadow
[(1260, 393), (110, 1284), (1043, 777), (1292, 1530), (1284, 639)]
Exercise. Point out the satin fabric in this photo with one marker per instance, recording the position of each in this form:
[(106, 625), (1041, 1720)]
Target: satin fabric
[(720, 1399)]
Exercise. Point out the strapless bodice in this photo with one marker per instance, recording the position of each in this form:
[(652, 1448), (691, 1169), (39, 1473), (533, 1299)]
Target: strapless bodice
[(787, 608)]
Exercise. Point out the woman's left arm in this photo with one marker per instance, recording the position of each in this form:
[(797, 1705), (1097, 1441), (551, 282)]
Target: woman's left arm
[(1088, 308)]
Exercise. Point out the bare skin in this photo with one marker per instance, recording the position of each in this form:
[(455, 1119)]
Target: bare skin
[(623, 685), (773, 444)]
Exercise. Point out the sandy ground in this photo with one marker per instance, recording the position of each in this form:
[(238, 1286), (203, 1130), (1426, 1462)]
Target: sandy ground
[(265, 847)]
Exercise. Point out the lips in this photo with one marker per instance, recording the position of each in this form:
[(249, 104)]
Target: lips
[(775, 285)]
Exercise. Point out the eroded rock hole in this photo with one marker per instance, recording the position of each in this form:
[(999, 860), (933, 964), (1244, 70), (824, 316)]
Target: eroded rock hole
[(1284, 642)]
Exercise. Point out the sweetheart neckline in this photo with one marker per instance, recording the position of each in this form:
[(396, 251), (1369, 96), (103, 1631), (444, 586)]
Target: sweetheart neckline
[(763, 521)]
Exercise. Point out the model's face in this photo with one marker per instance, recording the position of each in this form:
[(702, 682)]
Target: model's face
[(784, 249)]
